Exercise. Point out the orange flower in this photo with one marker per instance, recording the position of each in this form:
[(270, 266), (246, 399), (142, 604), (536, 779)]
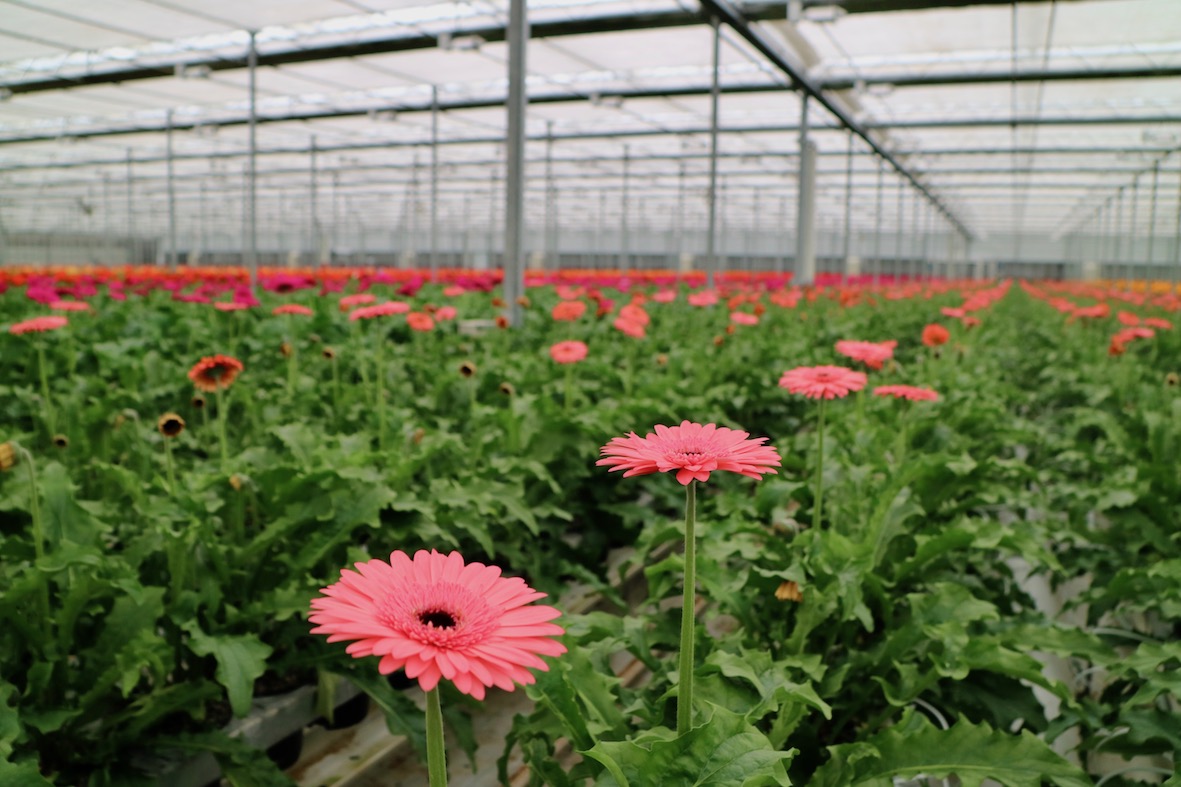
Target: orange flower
[(935, 335), (213, 372), (420, 321), (568, 311)]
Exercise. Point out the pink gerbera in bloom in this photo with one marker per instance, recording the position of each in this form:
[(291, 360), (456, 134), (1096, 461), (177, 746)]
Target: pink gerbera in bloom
[(935, 335), (635, 313), (823, 382), (1127, 318), (692, 450), (439, 618), (872, 354), (568, 311), (453, 291), (948, 311), (70, 306), (568, 352), (910, 392), (39, 325), (292, 308), (665, 296), (420, 321), (703, 298), (1158, 322), (630, 327), (231, 306), (744, 318), (359, 299), (444, 313), (380, 310)]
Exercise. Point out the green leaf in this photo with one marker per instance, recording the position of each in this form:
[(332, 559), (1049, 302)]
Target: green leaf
[(64, 519), (971, 752), (725, 751), (240, 660), (10, 725), (22, 774), (241, 764)]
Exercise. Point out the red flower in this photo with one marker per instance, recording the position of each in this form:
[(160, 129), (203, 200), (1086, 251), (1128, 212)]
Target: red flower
[(1157, 322), (420, 321), (935, 335), (635, 314), (872, 354), (39, 325), (823, 382), (292, 308), (906, 392), (438, 618), (692, 450), (215, 371), (568, 352), (630, 327), (501, 321), (568, 311)]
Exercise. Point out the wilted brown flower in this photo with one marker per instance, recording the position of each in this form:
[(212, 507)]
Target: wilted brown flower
[(507, 389), (789, 591), (197, 402), (7, 457), (719, 341), (285, 349), (467, 369), (236, 482), (1171, 379), (662, 360), (170, 424), (328, 353), (61, 441), (419, 433)]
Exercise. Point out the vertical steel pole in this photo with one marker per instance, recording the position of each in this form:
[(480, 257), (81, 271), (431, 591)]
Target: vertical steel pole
[(491, 216), (131, 244), (434, 260), (514, 213), (1117, 228), (783, 256), (899, 229), (848, 203), (1173, 274), (681, 211), (1152, 220), (711, 239), (877, 231), (252, 176), (1132, 219), (549, 234), (915, 233), (171, 195), (313, 213), (624, 239), (805, 267)]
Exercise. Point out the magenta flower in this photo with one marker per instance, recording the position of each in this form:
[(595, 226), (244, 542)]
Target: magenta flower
[(692, 450), (439, 618)]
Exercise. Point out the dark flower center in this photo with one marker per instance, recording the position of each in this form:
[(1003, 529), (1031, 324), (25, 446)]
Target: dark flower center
[(172, 426), (439, 618)]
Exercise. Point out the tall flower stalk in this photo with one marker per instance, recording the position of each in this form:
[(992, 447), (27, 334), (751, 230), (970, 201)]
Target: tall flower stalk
[(693, 451), (436, 746), (817, 509), (42, 325), (215, 374)]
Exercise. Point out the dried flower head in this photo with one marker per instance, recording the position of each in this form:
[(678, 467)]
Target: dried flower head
[(236, 482), (789, 591), (662, 359), (285, 349), (1172, 379), (61, 441), (507, 389), (170, 424), (467, 369), (328, 354), (7, 457), (197, 402)]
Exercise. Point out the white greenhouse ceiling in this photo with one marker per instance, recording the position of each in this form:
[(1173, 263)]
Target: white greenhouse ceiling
[(1024, 117)]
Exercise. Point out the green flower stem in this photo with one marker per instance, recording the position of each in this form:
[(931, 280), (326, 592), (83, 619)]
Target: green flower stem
[(221, 429), (168, 466), (379, 391), (436, 751), (688, 615), (819, 502), (292, 361), (50, 415), (335, 388), (903, 437), (569, 388), (38, 532)]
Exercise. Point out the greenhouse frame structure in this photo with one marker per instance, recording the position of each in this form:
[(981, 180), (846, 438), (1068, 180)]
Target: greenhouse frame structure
[(912, 137)]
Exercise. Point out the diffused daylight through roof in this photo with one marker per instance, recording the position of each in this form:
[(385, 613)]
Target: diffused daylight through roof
[(1026, 132)]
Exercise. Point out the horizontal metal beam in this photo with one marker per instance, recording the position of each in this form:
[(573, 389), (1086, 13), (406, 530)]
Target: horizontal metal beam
[(741, 24), (930, 79), (403, 42), (887, 6)]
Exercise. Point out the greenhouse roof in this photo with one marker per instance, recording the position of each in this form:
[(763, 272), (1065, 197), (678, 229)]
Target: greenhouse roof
[(1012, 116)]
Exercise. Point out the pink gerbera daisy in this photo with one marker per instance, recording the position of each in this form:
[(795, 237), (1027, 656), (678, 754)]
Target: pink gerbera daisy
[(439, 618), (292, 308), (39, 325), (70, 306), (910, 392), (568, 352), (629, 327), (692, 450), (358, 299), (231, 306), (823, 382), (872, 354), (380, 310), (744, 318)]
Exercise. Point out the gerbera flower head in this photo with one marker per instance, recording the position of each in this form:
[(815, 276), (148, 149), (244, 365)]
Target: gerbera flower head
[(635, 314), (437, 617), (823, 382), (950, 311), (70, 306), (170, 425), (293, 308), (380, 310), (629, 327), (215, 371), (568, 311), (1128, 318), (703, 298), (420, 321), (692, 450), (568, 352), (1158, 322), (664, 296), (358, 299), (935, 335), (39, 325), (231, 306), (444, 313), (872, 354), (911, 392), (744, 318)]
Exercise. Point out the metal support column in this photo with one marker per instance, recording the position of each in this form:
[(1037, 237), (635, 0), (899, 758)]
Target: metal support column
[(514, 213), (1152, 220), (624, 239), (848, 245), (1135, 213), (133, 257), (681, 214), (434, 259), (549, 258), (915, 238), (313, 213), (805, 267), (1173, 273), (711, 237), (171, 195), (252, 172), (877, 229), (1117, 228), (899, 230)]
